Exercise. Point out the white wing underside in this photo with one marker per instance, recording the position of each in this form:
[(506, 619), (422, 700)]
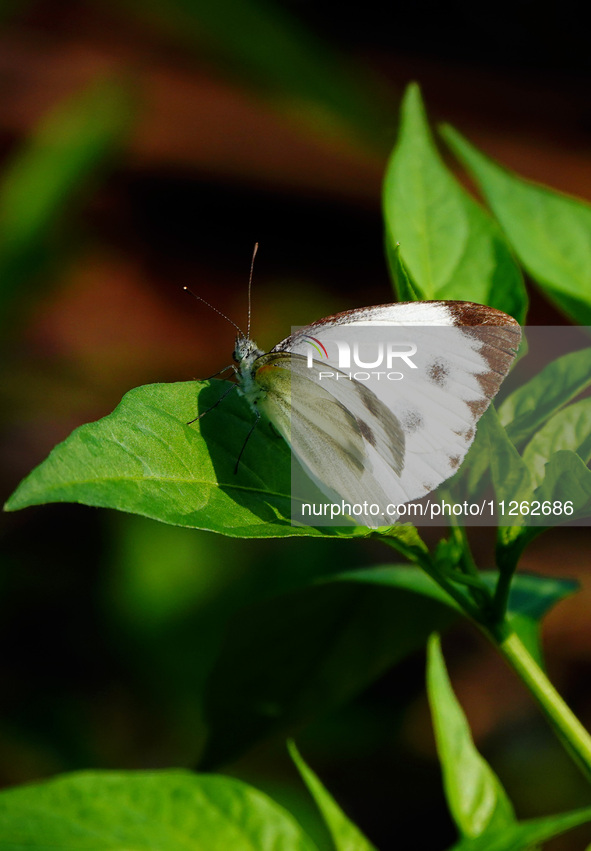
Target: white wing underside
[(418, 433)]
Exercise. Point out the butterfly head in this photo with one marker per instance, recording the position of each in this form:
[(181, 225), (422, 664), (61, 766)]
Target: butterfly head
[(245, 351)]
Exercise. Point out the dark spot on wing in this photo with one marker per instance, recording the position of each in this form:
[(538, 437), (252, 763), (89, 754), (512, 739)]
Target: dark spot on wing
[(366, 432), (412, 421), (438, 372), (454, 462)]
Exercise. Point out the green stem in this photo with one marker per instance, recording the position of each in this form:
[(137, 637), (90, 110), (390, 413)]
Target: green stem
[(569, 729), (567, 725), (480, 593), (424, 560)]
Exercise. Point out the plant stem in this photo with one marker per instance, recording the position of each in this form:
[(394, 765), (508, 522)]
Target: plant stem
[(424, 560), (574, 736)]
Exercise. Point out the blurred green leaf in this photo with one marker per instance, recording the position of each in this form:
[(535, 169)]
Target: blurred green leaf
[(570, 428), (262, 42), (451, 247), (167, 810), (292, 658), (550, 232), (477, 801), (527, 408), (295, 657), (144, 458), (527, 834), (345, 835), (69, 146), (530, 597)]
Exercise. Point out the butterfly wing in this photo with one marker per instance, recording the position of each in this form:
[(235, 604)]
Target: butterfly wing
[(335, 429), (464, 351), (459, 314)]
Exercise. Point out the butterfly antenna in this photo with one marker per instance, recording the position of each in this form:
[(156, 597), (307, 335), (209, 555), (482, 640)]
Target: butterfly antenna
[(219, 312), (254, 254)]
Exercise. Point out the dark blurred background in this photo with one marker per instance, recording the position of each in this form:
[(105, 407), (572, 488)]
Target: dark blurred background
[(144, 147)]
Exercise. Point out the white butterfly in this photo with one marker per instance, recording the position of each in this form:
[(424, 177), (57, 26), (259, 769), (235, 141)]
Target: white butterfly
[(393, 441)]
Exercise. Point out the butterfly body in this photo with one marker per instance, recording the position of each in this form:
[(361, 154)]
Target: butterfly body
[(246, 353)]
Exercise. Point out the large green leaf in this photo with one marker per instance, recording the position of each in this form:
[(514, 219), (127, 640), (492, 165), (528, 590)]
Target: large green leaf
[(167, 810), (345, 835), (527, 834), (144, 458), (477, 801), (294, 657), (570, 428), (44, 176), (527, 408), (550, 232), (452, 248), (531, 597)]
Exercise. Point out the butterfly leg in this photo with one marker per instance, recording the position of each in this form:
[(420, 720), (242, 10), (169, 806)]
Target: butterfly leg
[(220, 372), (252, 428), (215, 404)]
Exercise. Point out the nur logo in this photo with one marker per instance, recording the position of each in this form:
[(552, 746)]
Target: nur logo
[(374, 354), (319, 348)]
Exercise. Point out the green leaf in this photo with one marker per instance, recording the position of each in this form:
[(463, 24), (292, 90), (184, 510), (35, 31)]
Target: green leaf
[(530, 597), (570, 428), (510, 475), (405, 539), (406, 288), (451, 247), (40, 183), (144, 458), (477, 801), (526, 834), (297, 656), (567, 480), (493, 452), (550, 232), (345, 835), (527, 408), (511, 481), (167, 810)]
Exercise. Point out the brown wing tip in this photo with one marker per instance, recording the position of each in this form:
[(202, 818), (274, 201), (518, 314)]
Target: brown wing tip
[(470, 313)]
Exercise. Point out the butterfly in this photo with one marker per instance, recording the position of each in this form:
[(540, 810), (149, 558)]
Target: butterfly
[(395, 437)]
